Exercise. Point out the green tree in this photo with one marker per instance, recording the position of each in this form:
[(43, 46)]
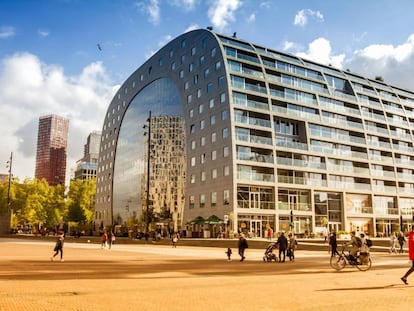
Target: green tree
[(81, 200)]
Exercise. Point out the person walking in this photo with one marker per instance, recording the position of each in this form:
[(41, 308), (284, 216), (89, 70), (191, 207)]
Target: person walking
[(333, 244), (58, 247), (393, 240), (291, 247), (242, 245), (410, 256), (401, 241), (282, 242), (111, 239), (174, 240), (104, 240)]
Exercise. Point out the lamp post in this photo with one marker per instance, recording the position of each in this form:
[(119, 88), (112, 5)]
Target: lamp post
[(9, 166), (148, 174)]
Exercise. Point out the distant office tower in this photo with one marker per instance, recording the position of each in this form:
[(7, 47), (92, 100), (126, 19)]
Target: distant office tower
[(52, 139), (87, 166)]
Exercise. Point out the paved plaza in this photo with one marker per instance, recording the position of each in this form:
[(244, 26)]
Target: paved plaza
[(159, 277)]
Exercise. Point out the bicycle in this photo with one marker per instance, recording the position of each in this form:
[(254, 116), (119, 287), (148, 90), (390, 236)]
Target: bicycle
[(362, 262)]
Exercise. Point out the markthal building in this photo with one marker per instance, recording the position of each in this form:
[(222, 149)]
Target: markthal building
[(217, 135)]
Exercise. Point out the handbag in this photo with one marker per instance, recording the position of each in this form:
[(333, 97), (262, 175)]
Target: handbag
[(289, 252)]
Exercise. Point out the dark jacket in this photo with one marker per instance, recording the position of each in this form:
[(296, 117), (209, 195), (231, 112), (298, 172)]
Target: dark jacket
[(282, 242), (242, 243)]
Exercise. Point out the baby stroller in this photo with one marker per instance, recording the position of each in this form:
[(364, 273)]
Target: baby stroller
[(268, 254)]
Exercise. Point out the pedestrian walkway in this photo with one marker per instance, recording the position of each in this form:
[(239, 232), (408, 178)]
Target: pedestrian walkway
[(159, 277)]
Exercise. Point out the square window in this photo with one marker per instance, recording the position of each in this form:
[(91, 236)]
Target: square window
[(193, 51), (222, 97), (189, 99), (212, 120), (203, 176), (226, 170), (213, 155), (209, 87), (206, 72), (186, 85), (202, 141), (200, 108), (198, 93), (214, 173), (218, 65), (193, 144), (202, 124), (225, 132), (202, 60), (220, 81), (224, 115), (191, 113), (225, 152), (213, 137), (213, 52), (211, 103)]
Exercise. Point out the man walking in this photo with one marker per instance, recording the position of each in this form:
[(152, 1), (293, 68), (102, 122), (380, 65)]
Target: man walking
[(410, 256), (242, 245)]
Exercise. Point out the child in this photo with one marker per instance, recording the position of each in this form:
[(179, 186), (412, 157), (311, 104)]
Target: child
[(228, 253)]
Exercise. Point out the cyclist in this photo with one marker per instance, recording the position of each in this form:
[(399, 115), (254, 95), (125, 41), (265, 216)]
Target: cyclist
[(364, 247), (353, 243)]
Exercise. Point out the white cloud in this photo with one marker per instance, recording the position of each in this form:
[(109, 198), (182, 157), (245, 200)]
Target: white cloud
[(301, 18), (191, 27), (251, 18), (152, 9), (43, 33), (320, 51), (221, 12), (394, 63), (44, 89), (288, 45), (187, 5), (6, 32)]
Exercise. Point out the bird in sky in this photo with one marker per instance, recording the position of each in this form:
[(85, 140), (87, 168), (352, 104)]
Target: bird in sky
[(99, 47)]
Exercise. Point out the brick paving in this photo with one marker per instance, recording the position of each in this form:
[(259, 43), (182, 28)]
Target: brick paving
[(159, 277)]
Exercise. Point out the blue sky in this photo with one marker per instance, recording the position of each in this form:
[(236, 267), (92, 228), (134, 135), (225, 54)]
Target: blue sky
[(50, 61)]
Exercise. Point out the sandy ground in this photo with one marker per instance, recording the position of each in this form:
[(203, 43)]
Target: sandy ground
[(159, 277)]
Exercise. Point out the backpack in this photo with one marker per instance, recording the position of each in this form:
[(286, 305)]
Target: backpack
[(359, 241), (369, 242)]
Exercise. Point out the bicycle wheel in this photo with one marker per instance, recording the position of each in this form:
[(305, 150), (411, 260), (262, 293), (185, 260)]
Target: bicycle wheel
[(364, 262), (338, 262)]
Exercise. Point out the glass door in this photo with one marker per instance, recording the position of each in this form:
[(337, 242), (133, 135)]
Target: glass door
[(255, 228), (293, 202), (254, 200)]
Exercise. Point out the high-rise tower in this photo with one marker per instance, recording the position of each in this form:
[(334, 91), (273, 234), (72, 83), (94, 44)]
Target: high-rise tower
[(51, 152)]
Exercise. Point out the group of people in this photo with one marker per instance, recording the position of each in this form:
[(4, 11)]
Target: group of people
[(394, 238), (285, 245)]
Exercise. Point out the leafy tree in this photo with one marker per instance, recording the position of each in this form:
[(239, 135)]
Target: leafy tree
[(81, 200)]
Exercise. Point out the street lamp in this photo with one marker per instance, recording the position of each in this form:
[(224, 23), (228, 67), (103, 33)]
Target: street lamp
[(148, 127), (9, 165)]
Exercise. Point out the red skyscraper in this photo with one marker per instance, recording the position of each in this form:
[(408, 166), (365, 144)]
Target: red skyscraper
[(51, 153)]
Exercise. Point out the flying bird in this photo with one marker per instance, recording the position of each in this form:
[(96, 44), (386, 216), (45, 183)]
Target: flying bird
[(99, 47)]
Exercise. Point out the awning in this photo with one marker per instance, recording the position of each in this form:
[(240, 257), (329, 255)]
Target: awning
[(198, 221), (214, 220)]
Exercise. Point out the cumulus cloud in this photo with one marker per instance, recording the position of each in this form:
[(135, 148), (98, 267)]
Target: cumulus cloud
[(301, 18), (152, 8), (394, 63), (191, 27), (42, 90), (6, 32), (320, 51), (221, 12)]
